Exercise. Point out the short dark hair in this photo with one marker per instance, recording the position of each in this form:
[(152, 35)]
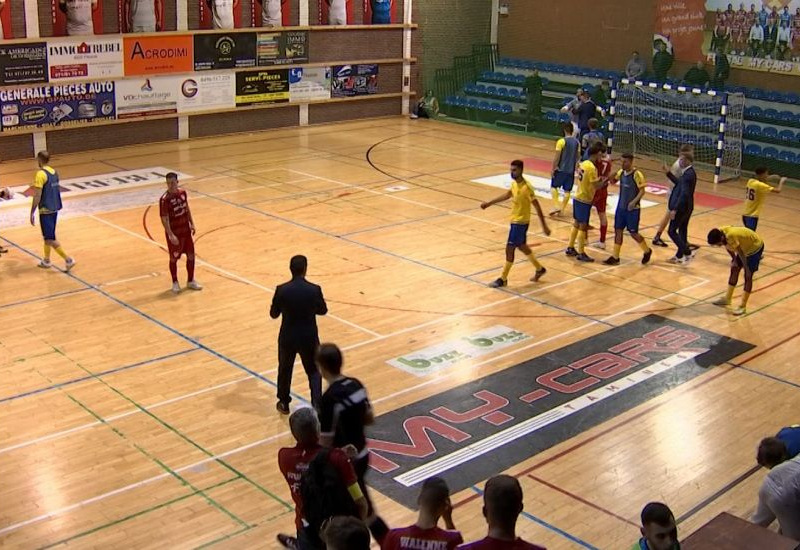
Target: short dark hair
[(298, 265), (688, 155), (329, 357), (687, 148), (502, 498), (771, 452), (715, 236), (346, 533), (43, 156), (518, 164), (593, 123), (636, 52), (171, 176), (434, 493), (761, 170), (627, 156), (567, 128), (597, 147), (658, 513)]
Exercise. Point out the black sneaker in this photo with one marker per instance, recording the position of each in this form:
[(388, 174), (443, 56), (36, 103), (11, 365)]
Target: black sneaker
[(646, 257), (584, 258), (282, 407), (659, 242), (287, 541), (497, 283), (571, 251), (538, 274), (612, 261)]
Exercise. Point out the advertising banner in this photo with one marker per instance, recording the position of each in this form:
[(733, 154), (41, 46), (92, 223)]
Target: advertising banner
[(224, 51), (61, 105), (282, 48), (82, 18), (158, 54), (142, 97), (262, 87), (23, 63), (207, 92), (309, 83), (85, 58), (353, 80)]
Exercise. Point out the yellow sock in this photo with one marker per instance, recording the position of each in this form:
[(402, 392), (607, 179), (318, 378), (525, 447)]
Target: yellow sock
[(644, 247), (554, 194), (47, 252), (745, 297), (534, 261), (506, 269), (565, 201), (573, 236), (617, 248), (729, 294), (581, 241), (60, 252)]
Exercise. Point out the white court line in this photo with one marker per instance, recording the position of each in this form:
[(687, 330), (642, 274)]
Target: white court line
[(147, 481), (128, 280), (226, 272)]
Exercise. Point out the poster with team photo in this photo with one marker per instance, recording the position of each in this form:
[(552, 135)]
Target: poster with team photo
[(23, 63), (354, 80), (136, 16), (379, 12), (77, 17), (282, 48), (6, 32), (224, 51), (307, 84), (220, 14), (29, 107), (335, 12), (271, 13), (260, 87)]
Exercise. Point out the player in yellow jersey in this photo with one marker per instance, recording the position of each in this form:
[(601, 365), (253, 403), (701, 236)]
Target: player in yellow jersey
[(588, 182), (746, 249), (755, 193), (522, 197)]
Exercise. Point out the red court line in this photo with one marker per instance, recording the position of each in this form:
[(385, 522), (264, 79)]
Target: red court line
[(144, 223), (583, 500), (767, 349)]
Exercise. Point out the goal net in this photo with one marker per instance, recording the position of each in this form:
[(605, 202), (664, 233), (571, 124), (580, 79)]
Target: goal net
[(654, 121)]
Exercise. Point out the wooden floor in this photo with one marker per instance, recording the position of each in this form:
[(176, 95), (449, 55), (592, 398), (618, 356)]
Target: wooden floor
[(130, 417)]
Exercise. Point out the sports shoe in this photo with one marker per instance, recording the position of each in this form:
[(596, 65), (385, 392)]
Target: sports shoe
[(282, 407), (570, 251), (646, 257), (176, 288), (582, 257), (721, 302), (739, 311), (287, 541), (70, 263), (497, 283), (45, 264), (612, 261), (599, 244), (3, 250), (555, 212), (538, 274), (194, 285), (659, 242), (676, 260), (412, 116)]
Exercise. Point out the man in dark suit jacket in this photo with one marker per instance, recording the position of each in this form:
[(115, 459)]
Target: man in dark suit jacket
[(681, 206), (299, 302)]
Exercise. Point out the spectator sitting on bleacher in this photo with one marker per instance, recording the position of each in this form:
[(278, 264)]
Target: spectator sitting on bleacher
[(427, 107), (601, 93), (635, 67), (722, 70), (779, 496), (662, 62), (659, 530), (697, 76)]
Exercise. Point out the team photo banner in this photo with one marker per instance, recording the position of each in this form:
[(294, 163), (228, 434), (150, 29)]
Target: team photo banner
[(61, 105)]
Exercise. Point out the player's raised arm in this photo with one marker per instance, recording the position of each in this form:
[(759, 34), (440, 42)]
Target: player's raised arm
[(504, 197)]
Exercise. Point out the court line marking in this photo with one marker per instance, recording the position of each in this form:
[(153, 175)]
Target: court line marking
[(44, 298), (724, 489), (130, 279)]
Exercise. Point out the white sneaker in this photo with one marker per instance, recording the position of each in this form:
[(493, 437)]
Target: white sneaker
[(722, 302), (45, 264), (70, 263), (600, 245), (176, 288), (675, 260), (739, 311), (194, 285)]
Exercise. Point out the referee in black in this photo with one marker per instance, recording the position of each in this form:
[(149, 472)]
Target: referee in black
[(298, 302)]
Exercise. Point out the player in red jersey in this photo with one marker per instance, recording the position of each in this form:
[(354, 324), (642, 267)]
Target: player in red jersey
[(179, 227), (739, 35), (601, 196)]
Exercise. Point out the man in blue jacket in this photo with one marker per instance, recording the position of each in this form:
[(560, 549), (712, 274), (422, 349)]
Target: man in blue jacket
[(681, 206)]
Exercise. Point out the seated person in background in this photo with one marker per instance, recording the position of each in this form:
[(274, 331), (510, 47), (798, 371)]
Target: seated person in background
[(662, 62), (783, 48), (697, 76), (502, 505), (434, 503), (345, 533), (779, 496), (635, 67), (659, 530), (756, 39), (427, 107), (722, 70)]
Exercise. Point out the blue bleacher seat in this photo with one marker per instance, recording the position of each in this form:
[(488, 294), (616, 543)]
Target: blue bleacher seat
[(689, 137), (502, 90), (753, 131), (792, 98), (786, 116), (676, 118), (472, 102), (519, 79), (484, 106), (551, 116), (506, 109), (491, 90), (648, 114), (769, 132), (786, 135), (775, 97), (753, 149), (787, 156), (754, 112), (514, 93), (691, 121), (798, 137), (563, 117), (707, 122), (481, 88), (771, 114), (770, 153), (675, 135), (486, 75), (705, 141)]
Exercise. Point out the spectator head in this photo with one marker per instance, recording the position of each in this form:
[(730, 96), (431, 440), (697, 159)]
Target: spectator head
[(662, 46), (771, 452), (762, 172), (304, 425), (579, 92), (43, 158), (502, 503), (584, 95), (298, 265), (345, 533), (516, 169), (593, 124), (716, 237), (329, 360), (627, 161), (687, 148), (658, 526), (635, 54), (605, 84), (687, 158), (567, 128), (434, 497)]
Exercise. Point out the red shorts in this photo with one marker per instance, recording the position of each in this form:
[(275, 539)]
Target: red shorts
[(600, 199), (185, 245)]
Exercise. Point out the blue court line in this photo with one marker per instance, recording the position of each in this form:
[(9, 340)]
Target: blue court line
[(96, 375), (404, 222), (43, 298), (549, 526), (163, 325)]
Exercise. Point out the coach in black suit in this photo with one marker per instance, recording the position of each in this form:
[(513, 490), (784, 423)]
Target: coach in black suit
[(681, 206), (299, 302)]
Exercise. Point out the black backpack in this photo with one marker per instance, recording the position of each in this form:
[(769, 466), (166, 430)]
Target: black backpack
[(324, 493)]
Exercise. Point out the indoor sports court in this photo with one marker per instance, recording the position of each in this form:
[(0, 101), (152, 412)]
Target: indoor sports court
[(133, 416)]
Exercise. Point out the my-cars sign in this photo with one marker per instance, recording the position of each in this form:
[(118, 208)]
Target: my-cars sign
[(85, 57), (472, 431)]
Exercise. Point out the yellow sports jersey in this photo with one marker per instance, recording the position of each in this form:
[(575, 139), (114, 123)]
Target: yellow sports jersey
[(39, 181), (741, 237), (587, 178), (754, 197), (521, 195)]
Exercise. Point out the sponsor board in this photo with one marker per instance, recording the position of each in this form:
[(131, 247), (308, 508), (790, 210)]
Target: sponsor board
[(27, 107), (207, 92), (78, 187), (271, 86), (87, 57), (472, 431), (224, 51), (24, 63), (146, 55), (141, 97), (541, 186), (306, 84), (440, 356), (282, 48), (353, 80)]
